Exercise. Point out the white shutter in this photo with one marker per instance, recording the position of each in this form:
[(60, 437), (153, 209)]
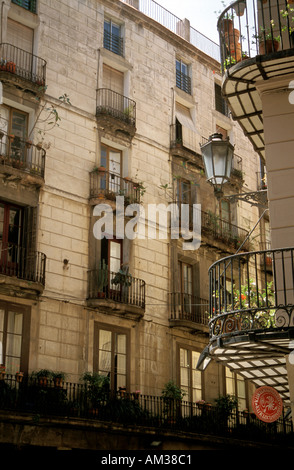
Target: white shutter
[(183, 115)]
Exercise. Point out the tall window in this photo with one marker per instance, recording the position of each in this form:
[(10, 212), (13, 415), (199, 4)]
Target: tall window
[(15, 125), (225, 216), (190, 377), (111, 159), (235, 385), (10, 234), (111, 253), (112, 37), (112, 355), (13, 337), (183, 80), (220, 103), (186, 286)]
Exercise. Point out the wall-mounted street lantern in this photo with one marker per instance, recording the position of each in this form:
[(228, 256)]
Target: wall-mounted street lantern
[(217, 155)]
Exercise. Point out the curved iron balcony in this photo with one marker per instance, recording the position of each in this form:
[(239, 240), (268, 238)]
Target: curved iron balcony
[(256, 43), (105, 184), (21, 154), (251, 311), (23, 263), (22, 68), (188, 310), (105, 286), (116, 112)]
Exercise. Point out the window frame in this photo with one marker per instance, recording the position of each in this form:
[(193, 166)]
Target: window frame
[(186, 297), (111, 181), (113, 330), (235, 379), (110, 43), (5, 243), (25, 336), (220, 104), (183, 78), (189, 396)]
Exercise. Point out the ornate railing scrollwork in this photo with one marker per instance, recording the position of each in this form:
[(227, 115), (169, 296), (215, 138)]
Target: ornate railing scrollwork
[(252, 291)]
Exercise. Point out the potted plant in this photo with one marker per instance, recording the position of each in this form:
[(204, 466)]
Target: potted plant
[(101, 169), (102, 278), (225, 405), (19, 376), (42, 376), (96, 389), (172, 396), (10, 67), (122, 277), (268, 43), (58, 378)]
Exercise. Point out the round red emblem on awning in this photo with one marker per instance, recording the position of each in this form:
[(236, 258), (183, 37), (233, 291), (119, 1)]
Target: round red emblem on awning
[(267, 404)]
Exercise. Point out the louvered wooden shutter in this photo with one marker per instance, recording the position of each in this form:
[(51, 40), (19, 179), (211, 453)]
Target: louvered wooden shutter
[(30, 229), (113, 79), (20, 35)]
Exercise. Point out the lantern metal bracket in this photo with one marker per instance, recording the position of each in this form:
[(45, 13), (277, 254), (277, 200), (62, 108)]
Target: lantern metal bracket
[(255, 198)]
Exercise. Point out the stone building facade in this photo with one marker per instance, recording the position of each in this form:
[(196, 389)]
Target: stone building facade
[(100, 83)]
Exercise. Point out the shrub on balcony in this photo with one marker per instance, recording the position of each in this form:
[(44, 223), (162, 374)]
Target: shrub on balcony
[(97, 387)]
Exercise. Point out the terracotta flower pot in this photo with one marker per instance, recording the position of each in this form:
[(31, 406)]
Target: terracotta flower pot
[(268, 46)]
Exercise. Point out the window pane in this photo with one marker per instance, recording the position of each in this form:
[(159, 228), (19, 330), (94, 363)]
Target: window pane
[(121, 343), (104, 363), (103, 159), (13, 341), (115, 256), (196, 377)]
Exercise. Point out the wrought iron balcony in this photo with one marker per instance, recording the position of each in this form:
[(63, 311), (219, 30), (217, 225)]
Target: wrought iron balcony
[(21, 154), (224, 231), (188, 310), (104, 184), (125, 289), (115, 111), (251, 315), (254, 27), (27, 397), (22, 68), (23, 263), (256, 43), (113, 43)]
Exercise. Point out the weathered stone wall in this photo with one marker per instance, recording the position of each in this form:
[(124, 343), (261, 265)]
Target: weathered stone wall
[(70, 38)]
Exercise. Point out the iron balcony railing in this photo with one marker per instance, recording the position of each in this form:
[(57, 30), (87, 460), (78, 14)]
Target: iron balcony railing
[(113, 43), (30, 5), (23, 64), (223, 230), (183, 82), (255, 27), (104, 184), (246, 295), (167, 19), (115, 105), (126, 289), (80, 400), (188, 307), (22, 154), (23, 263)]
